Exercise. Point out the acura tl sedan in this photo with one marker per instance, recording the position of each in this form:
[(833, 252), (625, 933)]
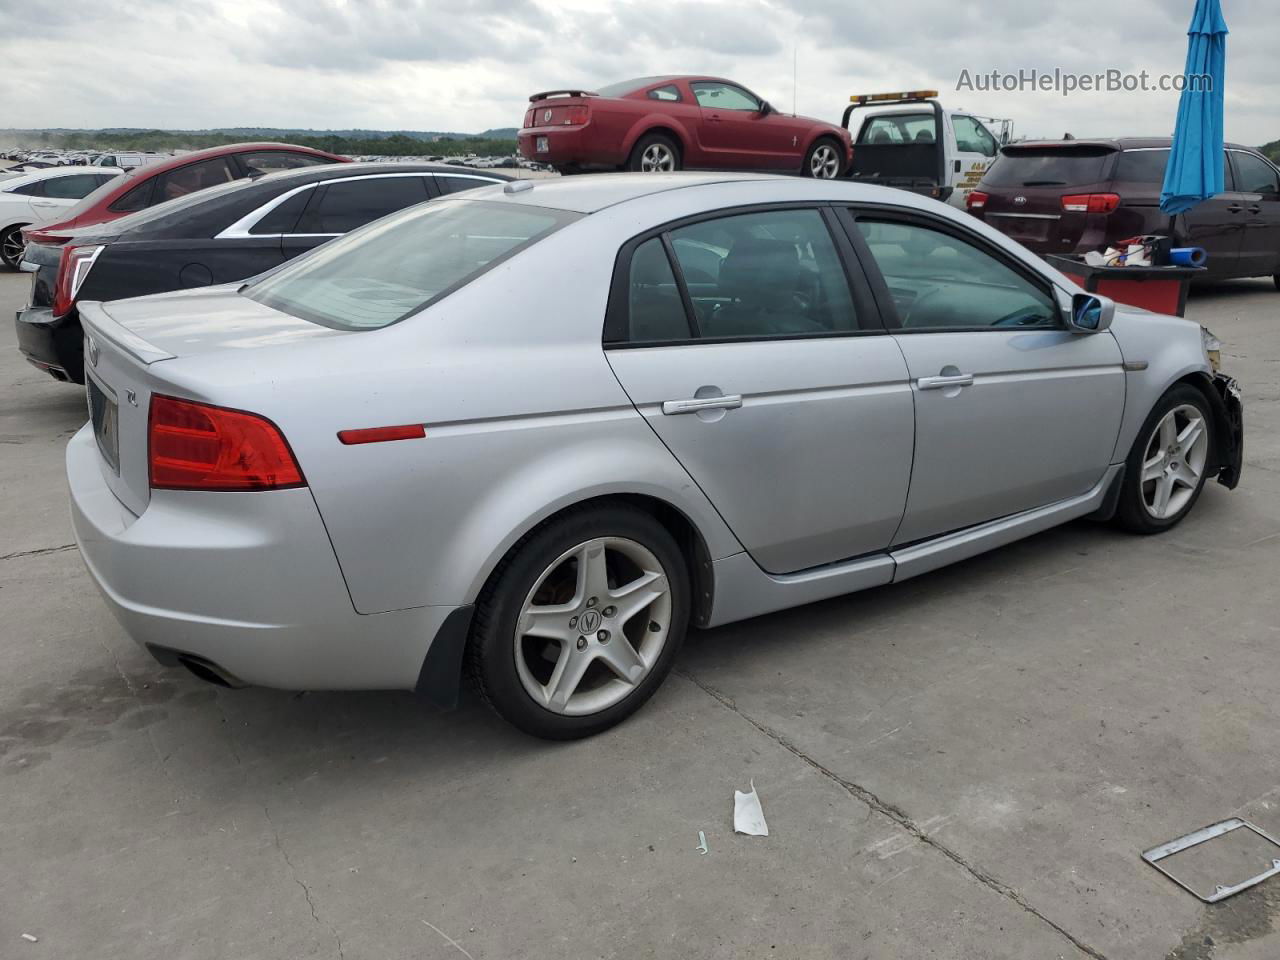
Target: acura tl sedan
[(533, 432)]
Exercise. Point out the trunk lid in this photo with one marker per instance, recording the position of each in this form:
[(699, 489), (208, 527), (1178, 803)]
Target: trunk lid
[(558, 110), (1026, 184), (127, 342)]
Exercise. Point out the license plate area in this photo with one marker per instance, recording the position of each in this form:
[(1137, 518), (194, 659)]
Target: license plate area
[(104, 414), (542, 145)]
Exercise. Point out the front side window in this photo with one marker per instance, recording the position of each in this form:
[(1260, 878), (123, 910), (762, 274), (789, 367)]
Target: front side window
[(972, 137), (343, 206), (193, 177), (941, 282), (269, 161), (723, 96), (670, 93), (1255, 175), (375, 277)]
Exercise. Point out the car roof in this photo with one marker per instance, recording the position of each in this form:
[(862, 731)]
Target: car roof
[(592, 192), (22, 177), (182, 159), (368, 167), (1113, 143)]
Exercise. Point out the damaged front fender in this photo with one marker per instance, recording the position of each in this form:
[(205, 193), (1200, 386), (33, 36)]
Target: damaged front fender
[(1228, 414)]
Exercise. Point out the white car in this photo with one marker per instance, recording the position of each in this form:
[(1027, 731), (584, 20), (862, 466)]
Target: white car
[(42, 196)]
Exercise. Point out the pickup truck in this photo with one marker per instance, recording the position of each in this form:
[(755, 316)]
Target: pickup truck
[(909, 140)]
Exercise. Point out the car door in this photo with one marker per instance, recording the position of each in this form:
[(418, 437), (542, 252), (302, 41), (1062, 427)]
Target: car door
[(51, 197), (337, 206), (974, 150), (766, 372), (732, 130), (1012, 411), (1258, 191), (1216, 224)]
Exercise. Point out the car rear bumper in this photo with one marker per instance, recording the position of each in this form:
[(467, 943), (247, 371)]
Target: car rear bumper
[(566, 146), (54, 345), (245, 582)]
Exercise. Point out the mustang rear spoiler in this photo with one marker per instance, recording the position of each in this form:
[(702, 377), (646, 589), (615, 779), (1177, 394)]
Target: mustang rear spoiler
[(561, 93)]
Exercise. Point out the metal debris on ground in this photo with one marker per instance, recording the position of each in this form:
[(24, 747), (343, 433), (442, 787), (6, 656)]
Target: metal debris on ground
[(748, 815), (30, 939), (1221, 891), (702, 843)]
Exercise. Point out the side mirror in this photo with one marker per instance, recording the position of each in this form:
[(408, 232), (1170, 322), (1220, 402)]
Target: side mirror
[(766, 108), (1090, 313)]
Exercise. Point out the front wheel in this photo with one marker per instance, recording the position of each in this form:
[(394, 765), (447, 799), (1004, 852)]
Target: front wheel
[(1167, 467), (580, 624), (654, 153), (823, 160), (11, 247)]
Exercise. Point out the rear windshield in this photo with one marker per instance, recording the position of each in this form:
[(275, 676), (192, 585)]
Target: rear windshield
[(1142, 166), (1049, 167), (626, 86), (396, 266)]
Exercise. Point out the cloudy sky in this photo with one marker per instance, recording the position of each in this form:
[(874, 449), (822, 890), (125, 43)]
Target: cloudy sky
[(468, 65)]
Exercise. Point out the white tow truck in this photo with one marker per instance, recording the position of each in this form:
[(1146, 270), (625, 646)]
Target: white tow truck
[(910, 140)]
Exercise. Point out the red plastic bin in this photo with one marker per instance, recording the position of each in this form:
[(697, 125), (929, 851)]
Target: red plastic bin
[(1159, 289)]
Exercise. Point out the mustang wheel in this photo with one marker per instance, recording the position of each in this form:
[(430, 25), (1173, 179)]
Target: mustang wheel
[(654, 153), (581, 622), (11, 247), (823, 160), (1166, 469)]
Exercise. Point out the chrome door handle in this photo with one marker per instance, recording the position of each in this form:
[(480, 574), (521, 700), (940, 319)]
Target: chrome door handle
[(697, 404), (1235, 208), (939, 383), (1255, 209)]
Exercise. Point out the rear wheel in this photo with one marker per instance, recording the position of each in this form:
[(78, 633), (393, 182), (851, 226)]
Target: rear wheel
[(823, 160), (581, 622), (1166, 469), (654, 153), (11, 247)]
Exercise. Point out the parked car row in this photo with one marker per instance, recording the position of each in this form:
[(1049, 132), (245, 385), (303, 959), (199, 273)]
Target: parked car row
[(536, 430), (40, 197)]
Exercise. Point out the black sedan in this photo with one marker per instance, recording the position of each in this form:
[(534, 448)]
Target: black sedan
[(219, 235)]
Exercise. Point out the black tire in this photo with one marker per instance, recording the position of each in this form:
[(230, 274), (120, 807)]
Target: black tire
[(828, 145), (1276, 280), (11, 247), (1132, 512), (568, 170), (652, 147), (492, 649)]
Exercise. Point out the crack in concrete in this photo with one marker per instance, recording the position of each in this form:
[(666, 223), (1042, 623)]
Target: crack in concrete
[(306, 891), (35, 553), (894, 813)]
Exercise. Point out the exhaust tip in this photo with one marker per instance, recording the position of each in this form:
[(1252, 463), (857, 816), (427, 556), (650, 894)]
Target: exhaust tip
[(209, 672)]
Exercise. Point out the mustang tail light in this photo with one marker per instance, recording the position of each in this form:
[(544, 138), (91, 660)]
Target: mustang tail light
[(74, 265), (196, 446), (976, 200), (576, 116), (1090, 202), (528, 118)]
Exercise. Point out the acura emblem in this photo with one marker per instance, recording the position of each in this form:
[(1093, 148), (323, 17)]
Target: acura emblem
[(1019, 200), (546, 116), (93, 350)]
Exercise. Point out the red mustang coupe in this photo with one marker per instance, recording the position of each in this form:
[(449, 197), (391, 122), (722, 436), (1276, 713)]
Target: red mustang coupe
[(673, 123)]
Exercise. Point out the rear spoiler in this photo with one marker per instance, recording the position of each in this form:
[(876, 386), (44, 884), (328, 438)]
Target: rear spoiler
[(547, 94), (96, 319)]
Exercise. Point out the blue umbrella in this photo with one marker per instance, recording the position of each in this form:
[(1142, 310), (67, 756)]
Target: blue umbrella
[(1195, 171)]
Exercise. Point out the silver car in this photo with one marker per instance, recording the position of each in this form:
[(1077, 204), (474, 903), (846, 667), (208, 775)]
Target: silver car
[(534, 432)]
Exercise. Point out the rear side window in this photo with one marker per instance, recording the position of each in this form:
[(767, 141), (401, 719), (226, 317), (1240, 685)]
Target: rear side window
[(458, 184), (193, 177), (1142, 166), (393, 269), (35, 189), (341, 207), (269, 161), (283, 217), (669, 93), (75, 187), (139, 198), (1049, 167), (655, 309)]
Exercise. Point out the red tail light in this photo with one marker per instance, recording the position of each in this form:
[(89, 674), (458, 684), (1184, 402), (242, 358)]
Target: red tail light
[(528, 118), (976, 200), (195, 446), (576, 116), (73, 267), (1090, 202)]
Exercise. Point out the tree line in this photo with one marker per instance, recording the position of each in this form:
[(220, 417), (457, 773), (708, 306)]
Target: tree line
[(162, 141)]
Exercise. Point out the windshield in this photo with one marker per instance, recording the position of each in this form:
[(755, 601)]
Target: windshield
[(1048, 166), (396, 266)]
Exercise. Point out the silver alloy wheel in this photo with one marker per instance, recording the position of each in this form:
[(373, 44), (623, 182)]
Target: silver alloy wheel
[(657, 158), (601, 642), (11, 247), (824, 164), (1173, 461)]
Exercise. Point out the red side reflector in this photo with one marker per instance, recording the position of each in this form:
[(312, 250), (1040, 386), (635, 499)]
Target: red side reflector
[(409, 431), (196, 446)]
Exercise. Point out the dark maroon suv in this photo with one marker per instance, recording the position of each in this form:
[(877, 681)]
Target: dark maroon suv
[(1071, 196)]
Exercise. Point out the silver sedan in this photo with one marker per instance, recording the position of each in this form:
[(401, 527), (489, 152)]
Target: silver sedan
[(534, 432)]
